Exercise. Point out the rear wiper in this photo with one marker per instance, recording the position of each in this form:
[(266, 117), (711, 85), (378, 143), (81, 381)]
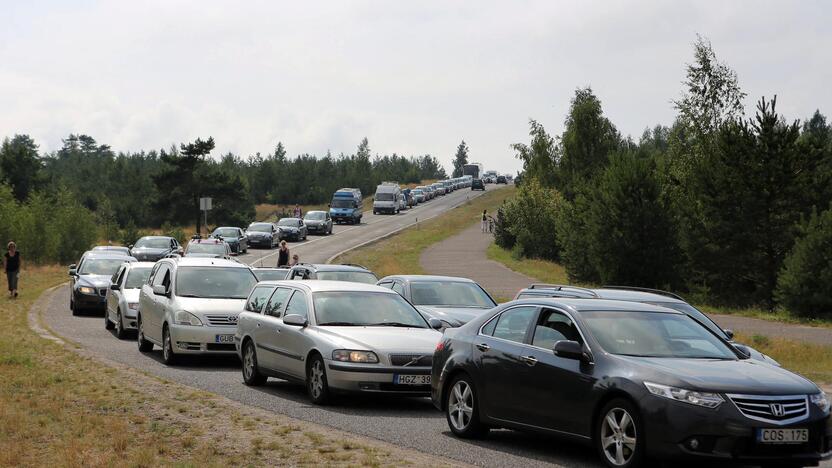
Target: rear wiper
[(338, 324), (392, 324)]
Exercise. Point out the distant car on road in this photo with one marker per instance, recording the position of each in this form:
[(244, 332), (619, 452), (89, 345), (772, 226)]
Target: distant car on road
[(208, 248), (123, 296), (292, 229), (270, 274), (452, 300), (439, 188), (477, 184), (502, 179), (633, 380), (331, 272), (90, 279), (235, 238), (190, 306), (418, 195), (112, 249), (335, 336), (318, 222), (153, 248), (347, 205), (263, 235)]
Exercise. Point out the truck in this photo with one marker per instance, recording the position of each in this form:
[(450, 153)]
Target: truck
[(386, 199), (475, 170), (346, 206)]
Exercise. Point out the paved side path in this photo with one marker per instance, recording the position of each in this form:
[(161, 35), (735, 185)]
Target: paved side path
[(464, 255)]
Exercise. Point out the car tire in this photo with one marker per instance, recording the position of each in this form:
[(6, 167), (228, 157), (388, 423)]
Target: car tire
[(120, 332), (168, 356), (144, 345), (108, 325), (462, 409), (619, 435), (317, 386), (251, 374), (73, 308)]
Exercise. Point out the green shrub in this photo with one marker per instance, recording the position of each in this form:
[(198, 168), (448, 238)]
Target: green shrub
[(804, 285), (532, 219), (502, 234), (130, 234)]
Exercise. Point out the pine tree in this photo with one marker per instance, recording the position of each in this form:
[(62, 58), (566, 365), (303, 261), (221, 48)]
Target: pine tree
[(460, 159)]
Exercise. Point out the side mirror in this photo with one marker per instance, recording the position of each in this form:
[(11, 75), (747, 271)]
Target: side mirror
[(160, 290), (72, 271), (130, 246), (115, 287), (729, 333), (569, 350), (435, 323), (743, 349), (295, 320)]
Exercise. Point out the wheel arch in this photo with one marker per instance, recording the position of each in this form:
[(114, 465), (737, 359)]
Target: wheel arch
[(613, 394)]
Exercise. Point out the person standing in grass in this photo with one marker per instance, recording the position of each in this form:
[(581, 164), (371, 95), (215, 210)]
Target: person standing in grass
[(12, 263), (298, 212)]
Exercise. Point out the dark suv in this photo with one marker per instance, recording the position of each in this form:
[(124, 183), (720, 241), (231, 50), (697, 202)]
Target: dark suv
[(346, 272), (502, 179), (477, 184)]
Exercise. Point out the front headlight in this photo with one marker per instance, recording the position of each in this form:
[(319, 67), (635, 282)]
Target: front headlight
[(86, 290), (347, 355), (707, 400), (133, 306), (821, 401), (183, 317)]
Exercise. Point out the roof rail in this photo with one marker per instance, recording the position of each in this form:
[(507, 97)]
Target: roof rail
[(355, 265), (563, 287), (650, 290)]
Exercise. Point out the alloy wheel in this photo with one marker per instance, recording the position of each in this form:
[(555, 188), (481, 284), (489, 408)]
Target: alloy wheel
[(618, 436), (461, 405), (316, 379), (248, 362), (119, 326)]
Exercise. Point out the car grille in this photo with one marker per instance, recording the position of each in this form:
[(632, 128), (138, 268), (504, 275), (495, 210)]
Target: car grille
[(411, 360), (102, 291), (222, 320), (772, 409)]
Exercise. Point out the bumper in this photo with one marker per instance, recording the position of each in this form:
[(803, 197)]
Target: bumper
[(260, 242), (724, 434), (89, 301), (348, 377), (201, 340), (128, 319)]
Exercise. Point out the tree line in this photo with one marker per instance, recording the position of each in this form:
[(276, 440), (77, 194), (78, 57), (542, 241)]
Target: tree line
[(733, 209), (119, 191)]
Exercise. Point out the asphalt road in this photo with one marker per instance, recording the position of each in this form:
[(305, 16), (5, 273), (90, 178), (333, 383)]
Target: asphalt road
[(408, 422)]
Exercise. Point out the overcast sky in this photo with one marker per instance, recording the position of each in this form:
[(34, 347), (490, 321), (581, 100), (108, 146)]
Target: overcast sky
[(413, 77)]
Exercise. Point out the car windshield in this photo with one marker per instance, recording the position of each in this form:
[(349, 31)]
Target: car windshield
[(101, 266), (206, 248), (695, 314), (385, 196), (449, 293), (227, 232), (354, 276), (271, 275), (417, 192), (260, 227), (342, 203), (214, 282), (152, 243), (288, 222), (651, 334), (137, 277), (315, 215), (359, 308)]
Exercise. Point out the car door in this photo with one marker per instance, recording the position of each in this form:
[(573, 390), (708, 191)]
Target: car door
[(292, 340), (113, 296), (267, 333), (557, 387), (242, 241), (497, 352), (153, 320)]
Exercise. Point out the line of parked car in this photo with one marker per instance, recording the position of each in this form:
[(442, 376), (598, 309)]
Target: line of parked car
[(637, 374), (391, 198)]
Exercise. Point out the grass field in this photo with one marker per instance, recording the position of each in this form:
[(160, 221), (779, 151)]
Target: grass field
[(61, 409), (400, 253), (813, 361)]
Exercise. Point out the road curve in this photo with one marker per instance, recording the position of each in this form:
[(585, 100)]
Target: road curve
[(408, 422)]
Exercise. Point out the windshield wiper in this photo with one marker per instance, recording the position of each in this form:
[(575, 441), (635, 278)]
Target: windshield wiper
[(338, 324), (392, 324)]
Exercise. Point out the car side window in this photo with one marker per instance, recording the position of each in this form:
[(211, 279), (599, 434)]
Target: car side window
[(258, 298), (160, 278), (513, 324), (399, 288), (116, 279), (276, 302), (297, 305), (152, 275), (386, 284), (554, 326)]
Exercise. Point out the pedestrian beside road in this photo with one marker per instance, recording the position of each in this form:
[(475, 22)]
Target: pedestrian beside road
[(295, 260), (298, 212), (12, 263), (484, 223), (283, 255)]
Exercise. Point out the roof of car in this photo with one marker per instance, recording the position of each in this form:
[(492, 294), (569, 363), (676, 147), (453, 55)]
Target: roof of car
[(225, 227), (209, 262), (608, 293), (110, 247), (212, 240), (109, 254), (156, 237), (324, 285), (333, 267), (588, 305), (134, 265), (428, 278)]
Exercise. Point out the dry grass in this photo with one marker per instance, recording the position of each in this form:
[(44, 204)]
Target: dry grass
[(543, 270), (400, 253), (64, 409), (812, 361)]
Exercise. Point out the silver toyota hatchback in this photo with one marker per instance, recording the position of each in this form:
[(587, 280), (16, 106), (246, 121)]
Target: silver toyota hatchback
[(336, 336)]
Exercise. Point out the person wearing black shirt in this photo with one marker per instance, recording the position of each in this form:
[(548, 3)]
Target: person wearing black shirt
[(12, 261), (283, 255)]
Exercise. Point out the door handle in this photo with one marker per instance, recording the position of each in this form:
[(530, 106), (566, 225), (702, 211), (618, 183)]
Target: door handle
[(530, 360), (277, 330), (258, 325), (483, 347)]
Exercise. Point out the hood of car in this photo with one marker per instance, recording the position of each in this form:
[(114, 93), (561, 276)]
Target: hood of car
[(460, 315), (747, 376), (96, 281), (201, 305), (143, 253), (383, 340), (288, 228)]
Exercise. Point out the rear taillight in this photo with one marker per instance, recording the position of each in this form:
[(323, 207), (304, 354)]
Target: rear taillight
[(440, 346)]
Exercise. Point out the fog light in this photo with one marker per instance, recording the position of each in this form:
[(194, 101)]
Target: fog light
[(694, 444)]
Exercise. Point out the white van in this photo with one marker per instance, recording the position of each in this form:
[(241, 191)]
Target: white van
[(386, 199)]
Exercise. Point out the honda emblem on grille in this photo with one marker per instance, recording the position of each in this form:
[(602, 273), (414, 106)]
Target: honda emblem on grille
[(232, 318), (777, 409)]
